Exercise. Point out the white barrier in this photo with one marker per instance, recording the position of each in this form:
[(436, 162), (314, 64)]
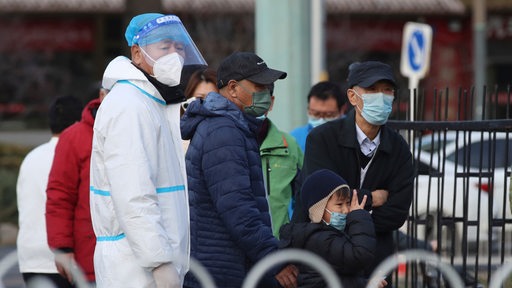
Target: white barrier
[(12, 258), (201, 274), (500, 275), (292, 255), (6, 263), (390, 263)]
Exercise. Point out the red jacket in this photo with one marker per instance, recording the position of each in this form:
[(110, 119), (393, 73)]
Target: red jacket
[(68, 217)]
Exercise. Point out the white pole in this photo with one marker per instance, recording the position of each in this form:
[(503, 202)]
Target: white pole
[(318, 71), (413, 86), (480, 55)]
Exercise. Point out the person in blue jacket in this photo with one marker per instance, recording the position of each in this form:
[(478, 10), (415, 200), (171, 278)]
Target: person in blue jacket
[(230, 226), (326, 102)]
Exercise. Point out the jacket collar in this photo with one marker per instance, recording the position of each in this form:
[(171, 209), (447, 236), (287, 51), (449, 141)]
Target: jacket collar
[(122, 69), (87, 113), (215, 105), (274, 140), (347, 136)]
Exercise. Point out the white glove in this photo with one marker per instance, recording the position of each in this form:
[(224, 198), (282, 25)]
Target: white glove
[(166, 276)]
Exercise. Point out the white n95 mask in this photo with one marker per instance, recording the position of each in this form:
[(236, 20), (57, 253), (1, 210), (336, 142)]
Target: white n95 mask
[(167, 69)]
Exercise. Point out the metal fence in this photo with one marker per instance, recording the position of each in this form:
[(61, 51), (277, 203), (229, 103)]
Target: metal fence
[(461, 194)]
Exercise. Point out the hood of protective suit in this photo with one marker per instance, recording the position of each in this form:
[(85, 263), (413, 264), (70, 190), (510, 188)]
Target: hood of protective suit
[(215, 105), (121, 68)]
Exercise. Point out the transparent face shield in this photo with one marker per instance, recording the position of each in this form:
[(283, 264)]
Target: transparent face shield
[(166, 35)]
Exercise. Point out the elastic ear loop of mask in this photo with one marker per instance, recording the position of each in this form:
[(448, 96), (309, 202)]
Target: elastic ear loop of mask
[(146, 54)]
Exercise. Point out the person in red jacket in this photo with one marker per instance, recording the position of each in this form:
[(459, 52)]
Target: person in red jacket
[(68, 219)]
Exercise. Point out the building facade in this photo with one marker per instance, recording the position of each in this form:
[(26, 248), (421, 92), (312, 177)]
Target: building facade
[(58, 47)]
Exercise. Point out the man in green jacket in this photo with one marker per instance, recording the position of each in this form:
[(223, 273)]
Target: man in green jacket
[(281, 160)]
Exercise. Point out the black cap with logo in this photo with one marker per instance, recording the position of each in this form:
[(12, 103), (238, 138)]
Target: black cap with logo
[(246, 65)]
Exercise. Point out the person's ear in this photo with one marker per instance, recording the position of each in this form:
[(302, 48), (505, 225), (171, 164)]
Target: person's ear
[(102, 93), (232, 88), (351, 95), (136, 55), (271, 103)]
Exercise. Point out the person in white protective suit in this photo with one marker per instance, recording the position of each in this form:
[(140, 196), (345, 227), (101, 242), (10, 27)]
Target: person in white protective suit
[(139, 199)]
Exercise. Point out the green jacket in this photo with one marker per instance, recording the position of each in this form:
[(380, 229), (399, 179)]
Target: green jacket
[(281, 160)]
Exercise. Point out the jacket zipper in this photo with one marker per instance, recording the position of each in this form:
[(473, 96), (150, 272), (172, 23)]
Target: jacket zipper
[(268, 170)]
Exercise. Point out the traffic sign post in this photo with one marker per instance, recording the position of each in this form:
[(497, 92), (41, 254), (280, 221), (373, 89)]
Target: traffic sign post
[(415, 58)]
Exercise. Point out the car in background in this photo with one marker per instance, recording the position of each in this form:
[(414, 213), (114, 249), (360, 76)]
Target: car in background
[(432, 142), (459, 174)]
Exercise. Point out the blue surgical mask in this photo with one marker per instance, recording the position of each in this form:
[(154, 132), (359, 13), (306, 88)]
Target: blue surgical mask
[(338, 220), (315, 121), (376, 107)]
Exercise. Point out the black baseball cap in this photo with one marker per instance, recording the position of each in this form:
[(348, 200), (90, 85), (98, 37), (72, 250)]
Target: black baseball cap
[(365, 74), (246, 65)]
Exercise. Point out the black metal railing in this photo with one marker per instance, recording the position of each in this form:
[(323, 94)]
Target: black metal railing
[(463, 167)]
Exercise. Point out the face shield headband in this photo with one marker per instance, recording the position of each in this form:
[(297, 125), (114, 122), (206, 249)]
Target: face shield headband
[(169, 27)]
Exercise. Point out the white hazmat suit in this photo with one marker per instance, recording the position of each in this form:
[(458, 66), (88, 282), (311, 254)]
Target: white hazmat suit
[(139, 199)]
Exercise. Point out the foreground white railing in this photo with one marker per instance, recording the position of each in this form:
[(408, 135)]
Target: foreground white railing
[(390, 263), (6, 263), (500, 275), (292, 255)]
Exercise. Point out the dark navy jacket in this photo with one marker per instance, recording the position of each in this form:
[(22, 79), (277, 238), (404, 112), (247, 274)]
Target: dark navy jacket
[(229, 219)]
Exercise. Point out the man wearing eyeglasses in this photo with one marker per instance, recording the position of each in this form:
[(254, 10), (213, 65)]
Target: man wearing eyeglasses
[(326, 102)]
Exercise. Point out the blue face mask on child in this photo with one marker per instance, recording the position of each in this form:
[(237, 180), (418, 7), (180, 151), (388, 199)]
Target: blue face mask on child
[(338, 220)]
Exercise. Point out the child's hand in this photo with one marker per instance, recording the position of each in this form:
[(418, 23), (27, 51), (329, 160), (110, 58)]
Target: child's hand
[(354, 204)]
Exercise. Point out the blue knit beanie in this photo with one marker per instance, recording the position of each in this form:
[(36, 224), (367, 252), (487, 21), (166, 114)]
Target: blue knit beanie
[(317, 189)]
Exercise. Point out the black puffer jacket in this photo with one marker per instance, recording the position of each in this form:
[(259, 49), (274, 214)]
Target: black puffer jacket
[(348, 252)]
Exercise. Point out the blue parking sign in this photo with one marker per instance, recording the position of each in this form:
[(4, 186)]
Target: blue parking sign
[(416, 47)]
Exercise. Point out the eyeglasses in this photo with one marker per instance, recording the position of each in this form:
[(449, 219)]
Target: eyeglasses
[(323, 114), (185, 104)]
